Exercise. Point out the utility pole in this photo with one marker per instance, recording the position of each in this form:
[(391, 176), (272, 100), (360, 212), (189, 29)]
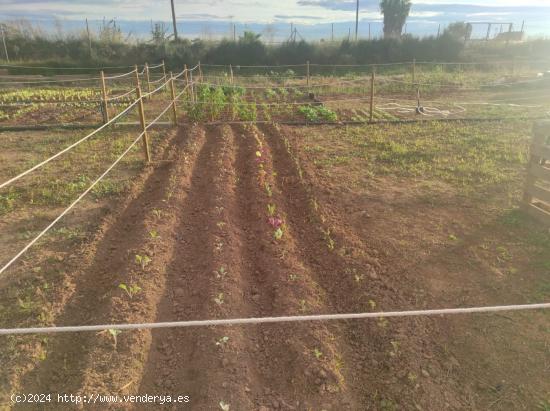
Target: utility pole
[(89, 38), (357, 21), (332, 33), (174, 20), (4, 41)]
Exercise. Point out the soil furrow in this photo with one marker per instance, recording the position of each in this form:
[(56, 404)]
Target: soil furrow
[(306, 359), (389, 356), (63, 370), (118, 369), (192, 361)]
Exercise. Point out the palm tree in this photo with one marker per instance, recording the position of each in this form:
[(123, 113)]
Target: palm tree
[(395, 15)]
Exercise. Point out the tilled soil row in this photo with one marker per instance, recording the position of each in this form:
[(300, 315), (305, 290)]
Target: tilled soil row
[(390, 360), (228, 227), (92, 278)]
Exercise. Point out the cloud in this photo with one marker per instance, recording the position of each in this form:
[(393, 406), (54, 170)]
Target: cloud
[(294, 16)]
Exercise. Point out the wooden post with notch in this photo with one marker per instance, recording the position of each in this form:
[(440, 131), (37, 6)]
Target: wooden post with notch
[(104, 103), (164, 72), (192, 85), (187, 84), (147, 78), (536, 197), (200, 72), (372, 78), (414, 71), (307, 72), (145, 137), (173, 93), (231, 73), (136, 71)]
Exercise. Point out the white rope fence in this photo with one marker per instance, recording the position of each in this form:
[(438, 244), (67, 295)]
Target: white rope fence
[(43, 232), (83, 139), (69, 208), (272, 320)]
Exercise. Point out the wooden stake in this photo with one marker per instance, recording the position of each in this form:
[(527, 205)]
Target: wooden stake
[(414, 71), (147, 78), (187, 86), (137, 76), (89, 37), (192, 86), (163, 70), (5, 45), (372, 96), (104, 99), (145, 138), (200, 72), (231, 72), (173, 92), (307, 66)]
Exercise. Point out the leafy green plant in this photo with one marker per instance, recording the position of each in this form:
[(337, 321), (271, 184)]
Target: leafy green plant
[(219, 299), (142, 260), (268, 189), (131, 290), (318, 354), (114, 333), (222, 341), (271, 210), (154, 234), (309, 113), (278, 234), (221, 273), (328, 239), (313, 114), (224, 406)]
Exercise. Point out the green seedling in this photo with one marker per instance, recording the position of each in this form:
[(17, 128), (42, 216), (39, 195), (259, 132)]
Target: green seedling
[(222, 341), (218, 245), (292, 277), (359, 277), (330, 242), (271, 210), (318, 354), (452, 237), (224, 406), (303, 305), (372, 304), (278, 234), (220, 224), (154, 234), (219, 299), (395, 348), (130, 290), (114, 333), (221, 273), (268, 189), (157, 213), (382, 322), (142, 260)]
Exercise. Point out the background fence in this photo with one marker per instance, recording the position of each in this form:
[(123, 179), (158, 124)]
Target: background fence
[(537, 190)]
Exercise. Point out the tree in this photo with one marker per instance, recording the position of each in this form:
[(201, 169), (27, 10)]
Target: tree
[(459, 30), (395, 15)]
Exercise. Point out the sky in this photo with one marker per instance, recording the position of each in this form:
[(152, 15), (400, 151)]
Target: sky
[(312, 17)]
